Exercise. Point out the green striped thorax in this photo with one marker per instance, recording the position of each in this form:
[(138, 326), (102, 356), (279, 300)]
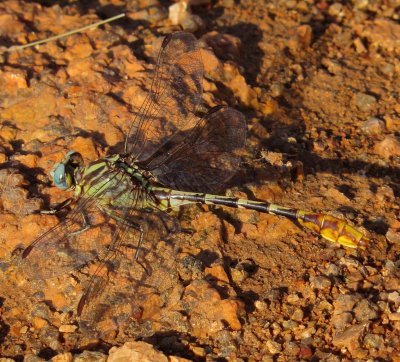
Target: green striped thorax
[(115, 184), (64, 172), (72, 174)]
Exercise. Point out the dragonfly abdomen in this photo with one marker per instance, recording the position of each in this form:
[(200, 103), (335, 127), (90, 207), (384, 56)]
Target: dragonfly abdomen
[(169, 198), (329, 227)]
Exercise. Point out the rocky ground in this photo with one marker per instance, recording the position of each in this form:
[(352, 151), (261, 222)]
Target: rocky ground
[(318, 84)]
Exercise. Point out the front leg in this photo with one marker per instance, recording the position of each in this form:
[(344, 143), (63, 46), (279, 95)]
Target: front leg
[(56, 208), (59, 207)]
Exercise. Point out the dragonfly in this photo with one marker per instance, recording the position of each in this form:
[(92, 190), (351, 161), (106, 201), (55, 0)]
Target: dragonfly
[(173, 156)]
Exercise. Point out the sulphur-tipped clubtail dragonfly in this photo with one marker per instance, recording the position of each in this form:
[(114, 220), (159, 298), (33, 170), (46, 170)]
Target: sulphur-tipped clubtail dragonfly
[(172, 157)]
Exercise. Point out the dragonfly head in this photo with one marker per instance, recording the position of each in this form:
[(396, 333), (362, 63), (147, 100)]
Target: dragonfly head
[(64, 172)]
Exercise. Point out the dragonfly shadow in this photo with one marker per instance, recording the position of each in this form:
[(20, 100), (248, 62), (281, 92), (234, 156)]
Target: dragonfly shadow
[(288, 121), (247, 268), (96, 136), (29, 174), (250, 55)]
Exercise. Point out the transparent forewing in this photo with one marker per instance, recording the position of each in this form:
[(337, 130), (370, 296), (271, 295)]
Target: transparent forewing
[(118, 249), (66, 247), (73, 243), (117, 281), (203, 158), (174, 96)]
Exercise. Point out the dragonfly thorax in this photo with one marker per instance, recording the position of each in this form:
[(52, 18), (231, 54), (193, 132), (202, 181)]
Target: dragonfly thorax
[(64, 172)]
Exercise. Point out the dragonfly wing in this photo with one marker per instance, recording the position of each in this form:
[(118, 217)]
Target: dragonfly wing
[(73, 243), (203, 158), (175, 94), (108, 300), (64, 248), (111, 260)]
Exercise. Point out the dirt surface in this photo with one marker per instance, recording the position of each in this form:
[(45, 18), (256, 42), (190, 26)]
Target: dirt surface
[(318, 82)]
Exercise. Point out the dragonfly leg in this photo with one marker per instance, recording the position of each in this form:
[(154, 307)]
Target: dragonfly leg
[(56, 208), (85, 225), (139, 244)]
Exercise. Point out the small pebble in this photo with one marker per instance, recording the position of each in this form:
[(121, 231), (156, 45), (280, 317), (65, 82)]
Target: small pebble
[(177, 12), (292, 298), (388, 147), (198, 351), (276, 89), (273, 347), (90, 356), (373, 126), (336, 10), (50, 336), (305, 352), (136, 351), (275, 295), (394, 297), (67, 328), (364, 101), (276, 329), (393, 236), (365, 311), (180, 14), (267, 358), (192, 23), (359, 45), (289, 324), (345, 303), (333, 270), (342, 320), (321, 282), (260, 305), (394, 316), (298, 315), (349, 338), (387, 69), (383, 306), (292, 349), (63, 357), (389, 268), (332, 66), (373, 341), (308, 332), (360, 4)]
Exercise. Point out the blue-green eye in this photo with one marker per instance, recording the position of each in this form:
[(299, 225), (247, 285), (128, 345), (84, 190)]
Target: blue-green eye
[(63, 172), (59, 176)]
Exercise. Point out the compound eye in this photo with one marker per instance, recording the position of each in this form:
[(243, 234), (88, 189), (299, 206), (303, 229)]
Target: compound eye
[(59, 178)]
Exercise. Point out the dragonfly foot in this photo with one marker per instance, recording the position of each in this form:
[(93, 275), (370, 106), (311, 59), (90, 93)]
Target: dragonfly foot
[(46, 212)]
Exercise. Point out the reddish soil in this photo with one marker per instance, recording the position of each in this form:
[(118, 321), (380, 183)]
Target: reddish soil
[(318, 84)]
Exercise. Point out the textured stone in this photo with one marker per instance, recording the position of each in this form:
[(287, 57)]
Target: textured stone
[(65, 357), (209, 312), (345, 303), (364, 101), (365, 311), (67, 328), (350, 337), (136, 352), (90, 356), (321, 282), (388, 147), (373, 126)]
